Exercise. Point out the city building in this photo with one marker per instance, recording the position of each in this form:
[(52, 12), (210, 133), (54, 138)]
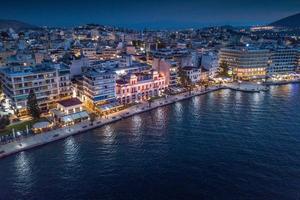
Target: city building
[(168, 69), (69, 111), (210, 62), (193, 73), (99, 86), (246, 63), (49, 82), (139, 86), (282, 61)]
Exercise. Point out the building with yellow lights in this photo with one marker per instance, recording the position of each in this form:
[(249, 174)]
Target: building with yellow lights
[(246, 63)]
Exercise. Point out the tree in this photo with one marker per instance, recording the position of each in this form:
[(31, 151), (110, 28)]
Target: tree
[(32, 105), (224, 70), (4, 121), (93, 117), (184, 80)]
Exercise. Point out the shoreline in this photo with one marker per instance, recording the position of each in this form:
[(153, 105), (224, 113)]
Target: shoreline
[(42, 139)]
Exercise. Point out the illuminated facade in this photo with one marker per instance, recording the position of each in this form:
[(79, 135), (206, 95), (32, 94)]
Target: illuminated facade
[(99, 85), (49, 82), (140, 86), (246, 63), (283, 61)]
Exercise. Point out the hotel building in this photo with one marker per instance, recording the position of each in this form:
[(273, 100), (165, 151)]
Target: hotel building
[(139, 86), (246, 63), (282, 61)]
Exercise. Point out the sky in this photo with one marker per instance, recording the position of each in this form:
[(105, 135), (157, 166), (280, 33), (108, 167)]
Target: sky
[(148, 13)]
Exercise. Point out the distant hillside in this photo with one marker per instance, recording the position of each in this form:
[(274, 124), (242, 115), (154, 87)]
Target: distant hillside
[(16, 25), (292, 21)]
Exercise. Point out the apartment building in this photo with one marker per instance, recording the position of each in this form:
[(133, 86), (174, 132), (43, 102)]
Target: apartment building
[(99, 85), (49, 82), (193, 73), (168, 69)]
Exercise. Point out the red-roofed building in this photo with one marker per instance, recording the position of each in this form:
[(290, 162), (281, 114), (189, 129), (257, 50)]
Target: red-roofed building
[(69, 111)]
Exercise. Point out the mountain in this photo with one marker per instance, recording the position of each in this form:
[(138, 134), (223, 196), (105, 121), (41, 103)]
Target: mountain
[(14, 24), (292, 21)]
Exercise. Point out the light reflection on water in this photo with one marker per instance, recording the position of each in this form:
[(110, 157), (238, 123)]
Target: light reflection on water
[(196, 103), (284, 90), (224, 145), (136, 124), (23, 173), (71, 151), (178, 111), (159, 118), (257, 99)]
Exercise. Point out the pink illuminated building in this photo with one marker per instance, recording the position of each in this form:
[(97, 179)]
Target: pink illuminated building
[(140, 86)]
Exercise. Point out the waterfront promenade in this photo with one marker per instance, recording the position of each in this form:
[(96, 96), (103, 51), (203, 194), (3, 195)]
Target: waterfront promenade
[(26, 143)]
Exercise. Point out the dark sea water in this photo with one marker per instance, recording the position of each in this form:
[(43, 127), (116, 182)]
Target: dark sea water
[(223, 145)]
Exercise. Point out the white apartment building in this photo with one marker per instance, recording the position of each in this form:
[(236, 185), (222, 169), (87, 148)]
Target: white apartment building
[(99, 85), (193, 73), (210, 62), (49, 82)]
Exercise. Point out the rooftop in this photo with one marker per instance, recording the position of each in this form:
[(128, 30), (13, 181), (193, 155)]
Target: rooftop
[(190, 68), (70, 102)]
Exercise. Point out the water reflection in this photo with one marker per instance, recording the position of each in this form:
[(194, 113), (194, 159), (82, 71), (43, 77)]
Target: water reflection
[(23, 171), (257, 98), (196, 101), (224, 99), (136, 124), (109, 135), (158, 123), (238, 96), (71, 151), (160, 117), (283, 90), (178, 111), (253, 151)]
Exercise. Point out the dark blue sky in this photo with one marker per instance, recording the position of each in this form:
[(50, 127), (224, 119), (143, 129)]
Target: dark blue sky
[(148, 13)]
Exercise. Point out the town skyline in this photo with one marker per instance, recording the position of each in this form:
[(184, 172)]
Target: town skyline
[(146, 14), (145, 99)]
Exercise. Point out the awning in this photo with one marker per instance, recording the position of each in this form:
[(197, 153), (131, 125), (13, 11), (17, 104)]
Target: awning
[(41, 125), (75, 116), (109, 106)]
